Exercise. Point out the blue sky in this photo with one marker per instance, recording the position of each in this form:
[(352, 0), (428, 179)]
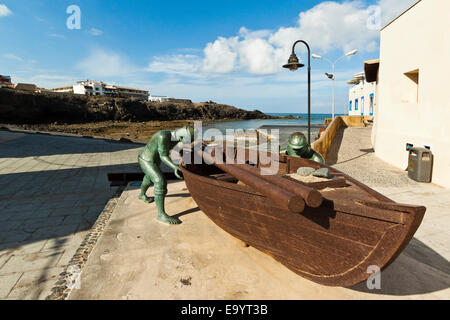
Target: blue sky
[(226, 51)]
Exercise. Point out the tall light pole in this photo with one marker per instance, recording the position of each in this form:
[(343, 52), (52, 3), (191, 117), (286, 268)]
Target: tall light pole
[(332, 76), (293, 65)]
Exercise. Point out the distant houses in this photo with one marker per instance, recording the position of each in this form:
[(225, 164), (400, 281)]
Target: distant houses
[(412, 83), (6, 82), (92, 88), (96, 88), (152, 98), (361, 96), (28, 87), (158, 98)]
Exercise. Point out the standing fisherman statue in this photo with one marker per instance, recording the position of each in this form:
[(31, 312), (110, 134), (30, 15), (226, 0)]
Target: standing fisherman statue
[(156, 151)]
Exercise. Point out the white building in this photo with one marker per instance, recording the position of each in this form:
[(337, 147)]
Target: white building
[(361, 96), (158, 98), (412, 103), (95, 88), (89, 88)]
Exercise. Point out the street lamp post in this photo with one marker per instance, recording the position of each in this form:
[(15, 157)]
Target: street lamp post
[(332, 76), (293, 65)]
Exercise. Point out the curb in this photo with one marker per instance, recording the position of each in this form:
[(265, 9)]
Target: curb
[(61, 290)]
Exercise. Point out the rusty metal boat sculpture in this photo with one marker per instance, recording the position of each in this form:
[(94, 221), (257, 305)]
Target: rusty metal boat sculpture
[(329, 232)]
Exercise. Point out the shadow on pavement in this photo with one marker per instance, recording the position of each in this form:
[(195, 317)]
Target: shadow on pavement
[(36, 145), (418, 270)]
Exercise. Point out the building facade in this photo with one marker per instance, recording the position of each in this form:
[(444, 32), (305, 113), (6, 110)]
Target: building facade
[(28, 87), (5, 79), (361, 96), (5, 82), (158, 98), (138, 94), (95, 88), (413, 106)]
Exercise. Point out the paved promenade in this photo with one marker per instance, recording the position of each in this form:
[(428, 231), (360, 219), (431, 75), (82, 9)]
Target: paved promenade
[(139, 258), (356, 157), (52, 190)]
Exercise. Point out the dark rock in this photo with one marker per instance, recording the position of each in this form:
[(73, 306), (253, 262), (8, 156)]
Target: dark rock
[(322, 173)]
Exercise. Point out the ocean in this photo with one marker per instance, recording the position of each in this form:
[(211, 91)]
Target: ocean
[(316, 118), (285, 126)]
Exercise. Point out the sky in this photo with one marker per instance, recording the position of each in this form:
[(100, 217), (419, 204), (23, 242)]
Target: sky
[(229, 52)]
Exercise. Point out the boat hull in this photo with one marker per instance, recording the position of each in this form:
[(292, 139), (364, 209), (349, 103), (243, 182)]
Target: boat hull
[(335, 244)]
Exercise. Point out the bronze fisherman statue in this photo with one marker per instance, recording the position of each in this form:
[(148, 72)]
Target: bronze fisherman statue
[(299, 147), (156, 151)]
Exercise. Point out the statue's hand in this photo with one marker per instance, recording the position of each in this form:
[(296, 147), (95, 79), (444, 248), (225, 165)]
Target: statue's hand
[(178, 174)]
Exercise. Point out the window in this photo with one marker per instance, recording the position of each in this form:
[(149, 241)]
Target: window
[(356, 104), (350, 106), (410, 87)]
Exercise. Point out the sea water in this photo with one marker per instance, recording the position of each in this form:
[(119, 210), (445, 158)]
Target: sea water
[(285, 127), (316, 119)]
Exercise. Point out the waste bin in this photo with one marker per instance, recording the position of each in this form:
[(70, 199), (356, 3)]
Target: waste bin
[(420, 164)]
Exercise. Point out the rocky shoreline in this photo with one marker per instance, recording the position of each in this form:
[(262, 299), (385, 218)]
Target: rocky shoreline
[(45, 108)]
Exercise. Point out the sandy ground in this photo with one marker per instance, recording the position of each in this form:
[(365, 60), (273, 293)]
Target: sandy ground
[(137, 131), (140, 258)]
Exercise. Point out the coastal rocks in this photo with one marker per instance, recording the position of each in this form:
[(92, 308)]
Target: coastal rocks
[(46, 108), (291, 117)]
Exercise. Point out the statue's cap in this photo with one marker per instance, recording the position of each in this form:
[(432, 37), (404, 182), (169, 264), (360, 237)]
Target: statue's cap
[(297, 140)]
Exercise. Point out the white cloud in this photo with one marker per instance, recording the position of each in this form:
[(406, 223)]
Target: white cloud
[(4, 11), (220, 55), (101, 63), (258, 56), (332, 25), (181, 64), (12, 57), (327, 26), (56, 35), (95, 32), (251, 34)]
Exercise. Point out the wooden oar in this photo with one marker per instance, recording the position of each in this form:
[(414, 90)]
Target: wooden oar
[(281, 196), (313, 198)]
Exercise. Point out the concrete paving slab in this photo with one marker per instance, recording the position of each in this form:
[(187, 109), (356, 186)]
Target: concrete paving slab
[(25, 249), (48, 184), (7, 283), (140, 258), (31, 262), (34, 285)]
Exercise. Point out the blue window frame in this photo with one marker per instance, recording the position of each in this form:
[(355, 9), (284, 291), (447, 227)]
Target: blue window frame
[(350, 106), (362, 106), (372, 100), (356, 104)]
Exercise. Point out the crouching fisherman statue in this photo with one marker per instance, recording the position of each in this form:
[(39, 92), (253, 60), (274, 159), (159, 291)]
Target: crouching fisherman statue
[(156, 151), (299, 147)]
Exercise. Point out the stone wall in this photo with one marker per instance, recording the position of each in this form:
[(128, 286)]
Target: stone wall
[(324, 143)]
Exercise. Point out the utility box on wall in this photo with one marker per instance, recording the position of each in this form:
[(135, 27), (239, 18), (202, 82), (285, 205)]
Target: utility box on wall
[(420, 164)]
